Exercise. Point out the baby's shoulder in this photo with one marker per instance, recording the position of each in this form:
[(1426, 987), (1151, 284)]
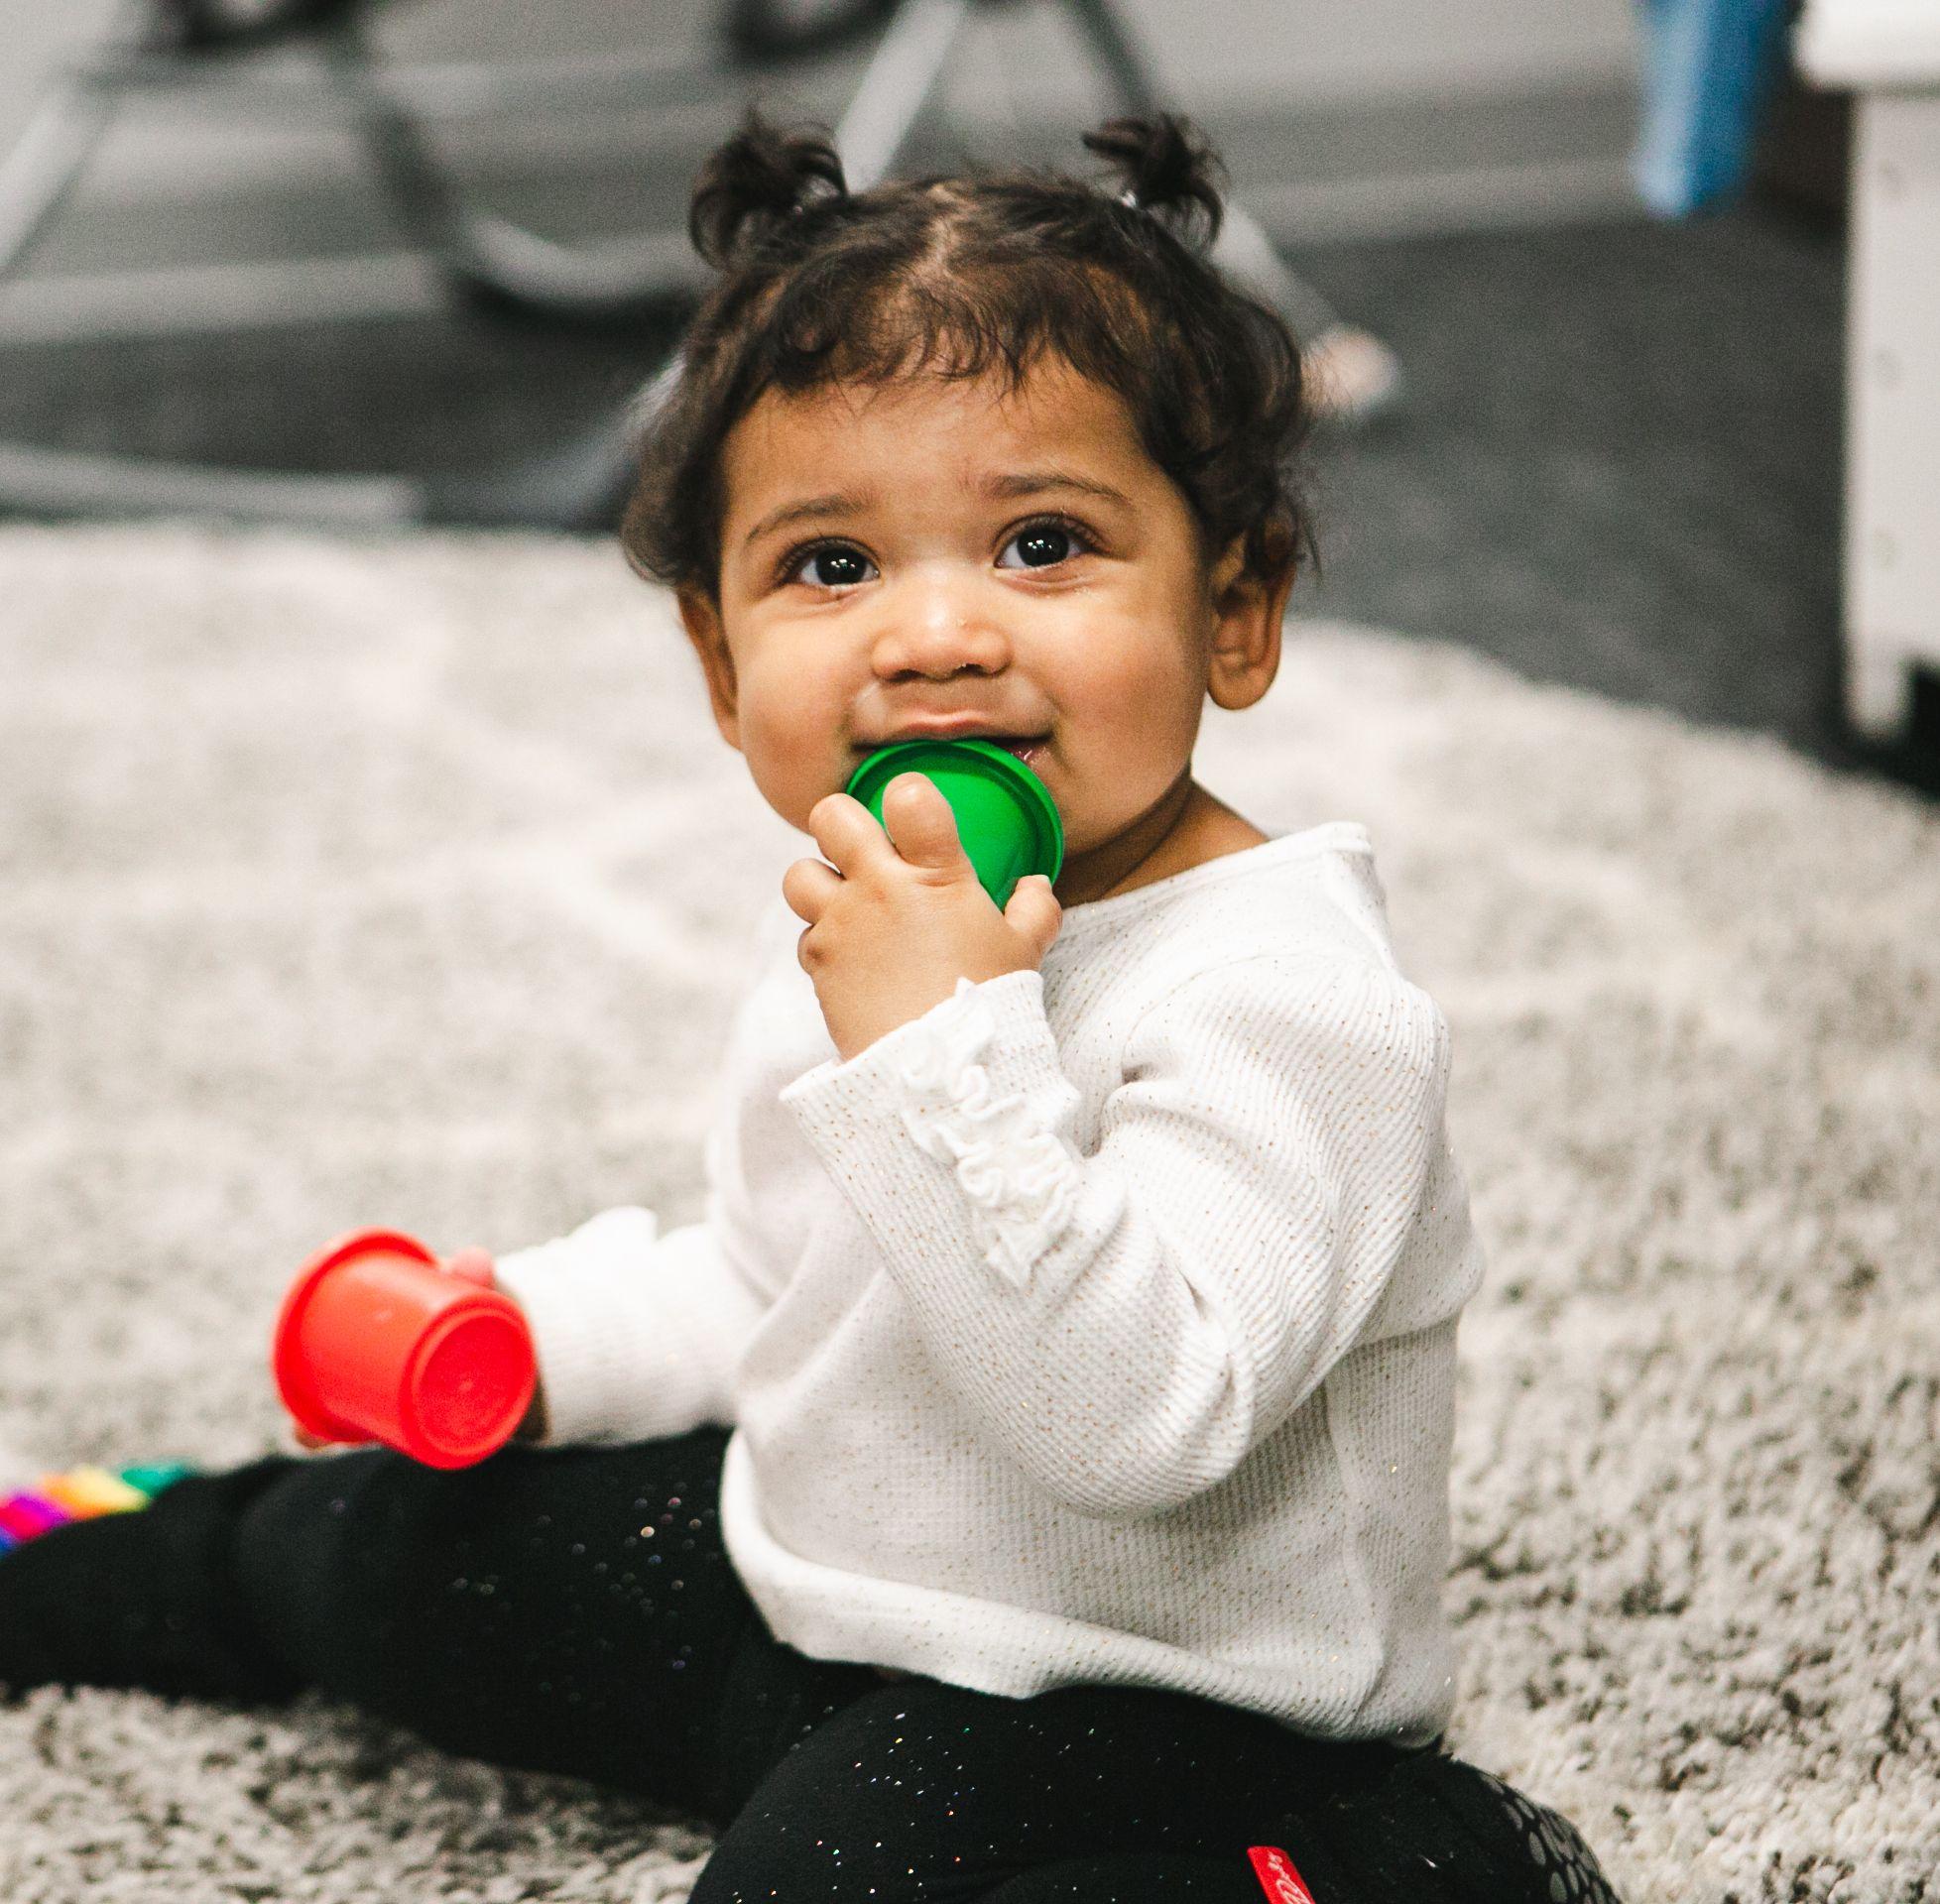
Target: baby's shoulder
[(1296, 896), (1266, 945)]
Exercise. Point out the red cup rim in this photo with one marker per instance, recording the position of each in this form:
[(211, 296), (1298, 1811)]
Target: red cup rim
[(304, 1408), (454, 1453)]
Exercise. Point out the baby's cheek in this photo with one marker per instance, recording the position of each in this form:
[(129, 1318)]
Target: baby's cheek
[(794, 768)]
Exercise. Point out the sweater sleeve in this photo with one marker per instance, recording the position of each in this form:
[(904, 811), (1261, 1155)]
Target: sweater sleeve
[(1129, 1324), (637, 1333)]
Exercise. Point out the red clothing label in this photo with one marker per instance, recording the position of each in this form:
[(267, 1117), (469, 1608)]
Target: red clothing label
[(1277, 1875)]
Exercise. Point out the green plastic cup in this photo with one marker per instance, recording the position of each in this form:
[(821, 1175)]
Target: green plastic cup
[(1005, 814)]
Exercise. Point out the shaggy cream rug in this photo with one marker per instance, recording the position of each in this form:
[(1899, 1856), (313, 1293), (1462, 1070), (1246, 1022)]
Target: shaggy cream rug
[(350, 882)]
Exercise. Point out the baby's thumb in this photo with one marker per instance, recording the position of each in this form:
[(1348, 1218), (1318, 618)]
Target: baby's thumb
[(1034, 911)]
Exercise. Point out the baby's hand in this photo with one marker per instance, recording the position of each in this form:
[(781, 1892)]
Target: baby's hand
[(902, 916)]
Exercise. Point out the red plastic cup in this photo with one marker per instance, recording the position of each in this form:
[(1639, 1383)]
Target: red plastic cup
[(376, 1342)]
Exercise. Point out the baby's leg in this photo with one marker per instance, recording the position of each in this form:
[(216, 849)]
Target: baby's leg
[(148, 1599), (921, 1792), (565, 1610)]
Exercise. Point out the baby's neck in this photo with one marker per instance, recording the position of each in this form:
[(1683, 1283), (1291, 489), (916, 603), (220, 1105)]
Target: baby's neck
[(1184, 827)]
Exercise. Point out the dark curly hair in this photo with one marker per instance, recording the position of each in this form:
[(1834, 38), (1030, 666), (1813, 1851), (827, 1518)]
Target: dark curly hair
[(963, 277)]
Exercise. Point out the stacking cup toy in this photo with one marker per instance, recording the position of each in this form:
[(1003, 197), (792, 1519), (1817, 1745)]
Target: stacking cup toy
[(376, 1342), (82, 1493), (1005, 814)]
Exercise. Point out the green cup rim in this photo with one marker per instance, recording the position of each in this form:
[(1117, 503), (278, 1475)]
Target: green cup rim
[(899, 757)]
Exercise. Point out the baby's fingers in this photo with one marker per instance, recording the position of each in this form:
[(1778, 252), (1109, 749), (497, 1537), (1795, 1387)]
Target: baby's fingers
[(849, 835), (921, 824), (807, 886)]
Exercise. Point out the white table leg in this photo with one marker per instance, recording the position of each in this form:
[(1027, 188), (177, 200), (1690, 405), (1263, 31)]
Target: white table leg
[(1892, 386), (1878, 691)]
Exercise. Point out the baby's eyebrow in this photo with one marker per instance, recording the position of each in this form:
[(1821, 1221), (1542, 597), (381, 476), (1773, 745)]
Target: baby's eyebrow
[(1017, 484), (1036, 482), (809, 509)]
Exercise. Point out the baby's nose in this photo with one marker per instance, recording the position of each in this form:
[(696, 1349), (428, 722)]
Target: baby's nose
[(939, 646), (940, 632)]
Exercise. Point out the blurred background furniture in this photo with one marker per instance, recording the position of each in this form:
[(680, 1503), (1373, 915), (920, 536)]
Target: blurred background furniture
[(497, 264), (1710, 67), (1889, 52), (1617, 466)]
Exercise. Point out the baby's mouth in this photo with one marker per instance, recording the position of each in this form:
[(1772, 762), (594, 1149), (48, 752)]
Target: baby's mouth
[(1027, 748)]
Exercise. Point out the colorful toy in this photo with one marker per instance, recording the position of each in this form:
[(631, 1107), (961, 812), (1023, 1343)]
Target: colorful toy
[(86, 1492), (380, 1341), (82, 1493), (1005, 815)]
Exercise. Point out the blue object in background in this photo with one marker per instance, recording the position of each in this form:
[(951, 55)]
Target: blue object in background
[(1708, 66)]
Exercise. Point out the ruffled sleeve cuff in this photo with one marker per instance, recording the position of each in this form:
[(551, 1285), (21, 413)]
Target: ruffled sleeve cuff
[(947, 1126)]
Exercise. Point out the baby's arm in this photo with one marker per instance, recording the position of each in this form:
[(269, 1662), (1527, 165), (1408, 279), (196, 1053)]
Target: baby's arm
[(1131, 1323), (637, 1333)]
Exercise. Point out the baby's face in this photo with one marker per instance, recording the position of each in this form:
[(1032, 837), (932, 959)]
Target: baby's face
[(931, 548)]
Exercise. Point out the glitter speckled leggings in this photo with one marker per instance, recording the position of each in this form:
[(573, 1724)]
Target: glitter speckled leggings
[(573, 1610)]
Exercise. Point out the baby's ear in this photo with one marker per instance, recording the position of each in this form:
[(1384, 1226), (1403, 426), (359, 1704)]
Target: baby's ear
[(700, 616), (1245, 568), (1227, 572), (1248, 608)]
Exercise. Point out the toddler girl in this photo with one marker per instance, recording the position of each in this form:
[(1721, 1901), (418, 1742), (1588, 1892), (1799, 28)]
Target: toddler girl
[(1028, 1481)]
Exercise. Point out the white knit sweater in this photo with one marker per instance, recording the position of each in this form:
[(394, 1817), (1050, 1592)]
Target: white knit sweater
[(1097, 1325)]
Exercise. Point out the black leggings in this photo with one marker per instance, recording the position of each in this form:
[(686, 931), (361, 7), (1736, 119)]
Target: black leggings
[(573, 1611)]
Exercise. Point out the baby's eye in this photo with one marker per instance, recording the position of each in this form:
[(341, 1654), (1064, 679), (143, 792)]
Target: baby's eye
[(1041, 545), (833, 566)]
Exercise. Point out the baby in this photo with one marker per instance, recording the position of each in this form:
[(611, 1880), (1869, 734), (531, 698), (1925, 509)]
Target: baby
[(1030, 1479)]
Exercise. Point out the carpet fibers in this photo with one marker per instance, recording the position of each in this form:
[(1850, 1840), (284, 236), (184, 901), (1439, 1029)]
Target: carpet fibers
[(407, 883)]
